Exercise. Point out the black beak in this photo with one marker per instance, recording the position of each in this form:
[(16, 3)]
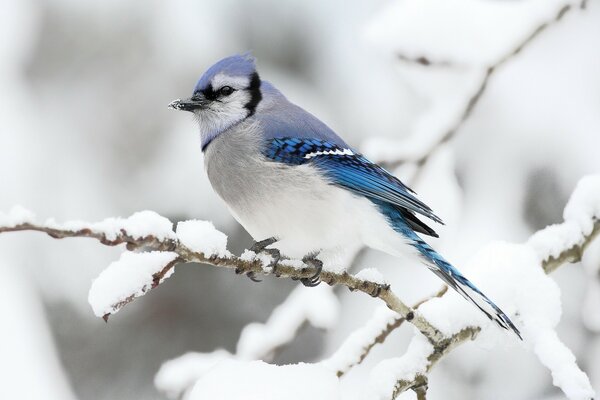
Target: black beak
[(190, 104)]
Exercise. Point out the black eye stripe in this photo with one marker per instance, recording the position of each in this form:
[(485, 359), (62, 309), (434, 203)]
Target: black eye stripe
[(209, 93), (226, 90)]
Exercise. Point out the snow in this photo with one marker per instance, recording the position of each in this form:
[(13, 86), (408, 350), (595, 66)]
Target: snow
[(561, 362), (16, 216), (584, 204), (589, 310), (177, 375), (31, 365), (459, 32), (511, 275), (388, 372), (319, 306), (149, 223), (254, 380), (264, 258), (139, 225), (580, 214), (130, 276), (351, 351), (372, 275), (203, 237)]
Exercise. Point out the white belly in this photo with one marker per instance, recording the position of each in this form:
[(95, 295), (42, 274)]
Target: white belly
[(294, 203)]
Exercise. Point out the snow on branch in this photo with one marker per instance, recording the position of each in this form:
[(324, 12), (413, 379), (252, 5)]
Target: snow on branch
[(424, 45), (513, 274), (358, 345), (195, 241)]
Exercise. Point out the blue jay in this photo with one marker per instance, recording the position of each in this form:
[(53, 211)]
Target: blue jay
[(286, 175)]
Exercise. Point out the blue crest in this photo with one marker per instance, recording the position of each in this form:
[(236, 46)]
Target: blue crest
[(236, 65)]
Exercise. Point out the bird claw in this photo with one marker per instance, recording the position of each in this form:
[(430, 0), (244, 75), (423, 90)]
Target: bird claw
[(258, 247), (250, 274), (314, 262), (253, 277), (261, 247)]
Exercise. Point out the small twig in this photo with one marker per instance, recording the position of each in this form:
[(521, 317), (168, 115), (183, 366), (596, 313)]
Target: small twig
[(384, 333), (439, 351), (420, 387)]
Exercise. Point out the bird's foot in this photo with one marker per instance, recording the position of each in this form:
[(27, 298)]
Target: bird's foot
[(314, 262), (250, 274), (261, 247)]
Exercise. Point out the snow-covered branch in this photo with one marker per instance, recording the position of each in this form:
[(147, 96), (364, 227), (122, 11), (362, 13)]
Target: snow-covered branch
[(543, 253), (392, 31), (160, 249), (193, 241)]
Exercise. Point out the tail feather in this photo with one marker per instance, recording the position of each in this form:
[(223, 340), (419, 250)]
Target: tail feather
[(406, 225), (462, 285)]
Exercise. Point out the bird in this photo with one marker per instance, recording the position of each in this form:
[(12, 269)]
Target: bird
[(288, 178)]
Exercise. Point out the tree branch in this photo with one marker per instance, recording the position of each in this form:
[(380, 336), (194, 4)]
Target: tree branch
[(294, 269), (572, 254), (472, 101)]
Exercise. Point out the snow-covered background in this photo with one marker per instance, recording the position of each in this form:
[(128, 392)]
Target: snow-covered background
[(85, 134)]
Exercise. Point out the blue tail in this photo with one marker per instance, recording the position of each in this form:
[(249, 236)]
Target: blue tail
[(450, 275)]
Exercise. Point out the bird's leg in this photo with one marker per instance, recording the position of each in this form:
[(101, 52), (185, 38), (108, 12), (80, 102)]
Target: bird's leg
[(258, 247), (314, 262), (261, 247)]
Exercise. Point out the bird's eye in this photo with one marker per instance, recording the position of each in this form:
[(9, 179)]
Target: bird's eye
[(225, 90)]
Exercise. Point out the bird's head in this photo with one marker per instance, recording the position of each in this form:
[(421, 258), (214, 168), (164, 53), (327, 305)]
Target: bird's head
[(226, 94)]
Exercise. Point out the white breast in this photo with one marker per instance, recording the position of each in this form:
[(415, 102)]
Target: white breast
[(292, 203)]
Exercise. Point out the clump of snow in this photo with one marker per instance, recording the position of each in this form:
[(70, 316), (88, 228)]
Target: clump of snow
[(149, 223), (16, 216), (130, 276), (140, 224), (179, 374), (388, 372), (248, 255), (584, 205), (372, 275), (351, 351), (203, 237), (580, 214), (561, 362), (296, 264), (554, 239), (244, 380), (319, 306), (591, 264)]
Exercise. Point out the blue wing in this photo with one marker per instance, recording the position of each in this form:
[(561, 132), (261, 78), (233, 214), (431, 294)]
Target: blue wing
[(348, 169)]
